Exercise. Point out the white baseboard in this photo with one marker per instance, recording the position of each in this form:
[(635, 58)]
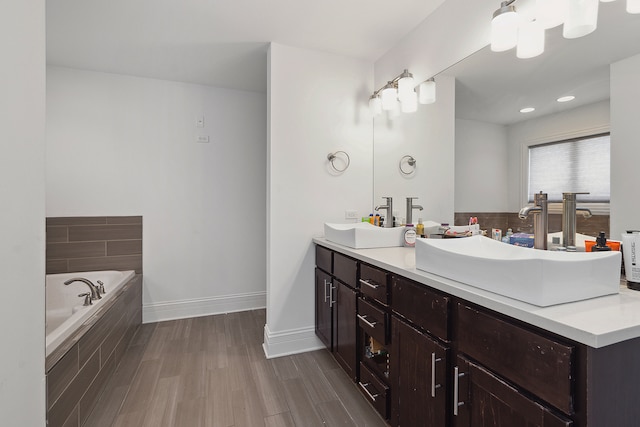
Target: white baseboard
[(293, 341), (184, 309)]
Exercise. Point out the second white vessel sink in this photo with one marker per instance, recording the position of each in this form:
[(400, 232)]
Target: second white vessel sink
[(542, 278), (362, 235)]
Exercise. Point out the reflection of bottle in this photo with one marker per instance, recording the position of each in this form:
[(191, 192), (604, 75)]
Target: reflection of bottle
[(420, 228), (409, 236)]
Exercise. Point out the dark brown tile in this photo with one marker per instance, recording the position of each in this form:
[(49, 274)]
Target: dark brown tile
[(61, 375), (60, 410), (124, 220), (76, 220), (86, 233), (72, 421), (57, 234), (124, 247), (56, 266), (127, 262), (88, 401), (76, 250)]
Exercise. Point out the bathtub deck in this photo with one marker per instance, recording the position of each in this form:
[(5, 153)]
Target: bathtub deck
[(211, 371)]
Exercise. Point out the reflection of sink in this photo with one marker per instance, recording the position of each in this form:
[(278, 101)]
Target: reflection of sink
[(362, 235), (538, 277)]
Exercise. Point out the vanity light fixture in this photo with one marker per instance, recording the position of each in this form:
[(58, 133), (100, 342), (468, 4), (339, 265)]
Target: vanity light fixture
[(566, 98), (580, 17), (527, 110), (399, 95)]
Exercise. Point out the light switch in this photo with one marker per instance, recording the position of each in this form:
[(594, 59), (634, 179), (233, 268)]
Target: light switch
[(200, 122)]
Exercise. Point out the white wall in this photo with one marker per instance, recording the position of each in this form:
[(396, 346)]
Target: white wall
[(581, 121), (120, 145), (22, 127), (481, 164), (317, 105), (625, 148), (427, 135)]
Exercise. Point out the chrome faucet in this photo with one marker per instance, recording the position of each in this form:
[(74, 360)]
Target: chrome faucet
[(540, 219), (410, 208), (95, 293), (388, 221), (569, 209)]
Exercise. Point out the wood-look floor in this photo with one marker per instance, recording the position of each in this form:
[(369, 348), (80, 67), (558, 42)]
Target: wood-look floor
[(211, 371)]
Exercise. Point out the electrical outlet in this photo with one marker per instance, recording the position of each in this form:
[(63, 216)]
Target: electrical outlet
[(202, 138), (351, 214), (200, 122)]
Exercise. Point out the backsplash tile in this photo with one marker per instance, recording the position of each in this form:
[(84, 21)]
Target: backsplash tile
[(94, 243)]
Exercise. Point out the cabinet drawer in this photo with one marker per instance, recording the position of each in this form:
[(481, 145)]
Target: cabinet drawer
[(420, 305), (345, 269), (373, 283), (324, 259), (373, 321), (375, 390), (534, 362)]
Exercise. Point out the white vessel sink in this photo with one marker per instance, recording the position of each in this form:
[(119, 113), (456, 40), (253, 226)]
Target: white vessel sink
[(534, 276), (362, 235)]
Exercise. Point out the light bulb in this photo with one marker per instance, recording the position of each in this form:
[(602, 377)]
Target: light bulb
[(504, 29), (409, 104), (530, 40), (551, 13), (375, 105), (405, 86), (633, 6), (389, 98), (582, 18), (427, 92)]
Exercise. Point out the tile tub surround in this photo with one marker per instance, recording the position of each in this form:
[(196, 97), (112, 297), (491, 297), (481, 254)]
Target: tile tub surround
[(94, 243), (505, 220), (77, 372)]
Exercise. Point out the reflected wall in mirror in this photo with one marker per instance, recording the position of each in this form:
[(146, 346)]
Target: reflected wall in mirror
[(491, 135)]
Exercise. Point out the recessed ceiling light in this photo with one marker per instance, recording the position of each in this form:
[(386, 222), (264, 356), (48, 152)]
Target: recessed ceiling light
[(566, 98), (527, 110)]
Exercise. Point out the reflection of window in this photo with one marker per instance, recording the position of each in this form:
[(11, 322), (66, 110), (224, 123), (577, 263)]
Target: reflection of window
[(576, 165)]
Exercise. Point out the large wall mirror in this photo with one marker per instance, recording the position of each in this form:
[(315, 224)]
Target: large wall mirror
[(483, 170)]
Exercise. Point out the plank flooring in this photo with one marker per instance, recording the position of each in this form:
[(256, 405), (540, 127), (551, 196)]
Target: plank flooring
[(211, 372)]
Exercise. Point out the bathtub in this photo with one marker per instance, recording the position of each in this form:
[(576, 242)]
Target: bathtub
[(65, 312)]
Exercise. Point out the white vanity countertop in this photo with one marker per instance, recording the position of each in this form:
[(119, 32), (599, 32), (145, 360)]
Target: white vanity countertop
[(596, 322)]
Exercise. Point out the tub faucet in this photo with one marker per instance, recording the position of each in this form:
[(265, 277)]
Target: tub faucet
[(540, 219), (410, 208), (388, 221), (569, 209), (95, 293)]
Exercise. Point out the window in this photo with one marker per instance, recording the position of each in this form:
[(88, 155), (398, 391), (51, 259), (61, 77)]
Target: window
[(575, 165)]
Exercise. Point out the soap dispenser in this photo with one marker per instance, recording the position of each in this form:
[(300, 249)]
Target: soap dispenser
[(601, 244)]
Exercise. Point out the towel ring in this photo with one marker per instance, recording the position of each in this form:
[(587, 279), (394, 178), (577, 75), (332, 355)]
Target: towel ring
[(333, 156), (409, 160)]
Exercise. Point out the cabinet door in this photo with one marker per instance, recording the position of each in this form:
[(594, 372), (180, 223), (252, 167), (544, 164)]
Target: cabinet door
[(344, 317), (323, 307), (483, 399), (418, 373)]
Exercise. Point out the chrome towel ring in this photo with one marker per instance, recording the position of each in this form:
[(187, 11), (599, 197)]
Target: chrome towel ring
[(341, 155), (407, 165)]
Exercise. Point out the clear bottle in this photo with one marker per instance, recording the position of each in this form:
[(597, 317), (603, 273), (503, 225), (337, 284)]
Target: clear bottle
[(409, 236), (420, 228), (507, 237)]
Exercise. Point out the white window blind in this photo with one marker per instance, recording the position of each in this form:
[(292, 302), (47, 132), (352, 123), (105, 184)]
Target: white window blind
[(577, 165)]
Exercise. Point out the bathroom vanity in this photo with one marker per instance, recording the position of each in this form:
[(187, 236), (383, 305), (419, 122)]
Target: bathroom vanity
[(428, 351)]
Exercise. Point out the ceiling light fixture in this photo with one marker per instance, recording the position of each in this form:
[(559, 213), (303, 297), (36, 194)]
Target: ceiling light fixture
[(527, 110), (580, 17), (566, 98), (399, 95)]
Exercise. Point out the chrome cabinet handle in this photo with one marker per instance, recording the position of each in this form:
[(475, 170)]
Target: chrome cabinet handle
[(434, 386), (325, 289), (371, 285), (364, 387), (364, 319), (331, 300), (456, 398)]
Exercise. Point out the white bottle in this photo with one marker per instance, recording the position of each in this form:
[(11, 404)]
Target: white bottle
[(409, 236)]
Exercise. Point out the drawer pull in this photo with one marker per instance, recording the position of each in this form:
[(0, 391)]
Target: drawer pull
[(371, 285), (364, 387), (434, 386), (456, 398), (364, 319), (325, 289)]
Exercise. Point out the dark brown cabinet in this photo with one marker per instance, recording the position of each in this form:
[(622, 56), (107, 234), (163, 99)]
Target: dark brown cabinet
[(419, 378), (324, 304), (344, 327), (483, 399)]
